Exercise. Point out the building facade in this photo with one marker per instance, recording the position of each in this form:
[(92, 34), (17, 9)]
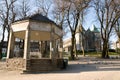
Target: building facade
[(89, 40)]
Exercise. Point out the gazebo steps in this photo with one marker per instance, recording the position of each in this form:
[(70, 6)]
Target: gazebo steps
[(35, 65), (45, 65)]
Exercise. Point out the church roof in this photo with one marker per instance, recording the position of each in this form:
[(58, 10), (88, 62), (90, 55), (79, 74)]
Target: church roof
[(80, 29), (95, 29), (88, 30)]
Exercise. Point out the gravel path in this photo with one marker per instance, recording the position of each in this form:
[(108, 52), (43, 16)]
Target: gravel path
[(83, 69)]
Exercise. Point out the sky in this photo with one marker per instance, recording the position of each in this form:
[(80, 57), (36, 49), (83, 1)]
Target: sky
[(89, 20)]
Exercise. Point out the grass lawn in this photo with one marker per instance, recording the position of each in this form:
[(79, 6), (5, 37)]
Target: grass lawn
[(99, 53), (92, 54)]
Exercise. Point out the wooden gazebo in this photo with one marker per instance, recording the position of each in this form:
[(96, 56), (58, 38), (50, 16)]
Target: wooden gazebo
[(35, 28)]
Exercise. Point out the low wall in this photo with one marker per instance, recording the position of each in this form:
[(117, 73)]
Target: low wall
[(35, 65), (15, 63), (45, 65)]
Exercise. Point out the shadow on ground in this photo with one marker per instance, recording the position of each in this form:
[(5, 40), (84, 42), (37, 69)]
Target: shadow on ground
[(77, 68), (85, 65)]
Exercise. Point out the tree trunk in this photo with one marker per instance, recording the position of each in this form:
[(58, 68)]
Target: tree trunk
[(72, 47), (75, 48), (105, 50), (1, 43), (118, 51), (8, 36), (0, 51), (82, 47)]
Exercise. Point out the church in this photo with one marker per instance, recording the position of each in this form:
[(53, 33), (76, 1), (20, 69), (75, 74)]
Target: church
[(89, 40)]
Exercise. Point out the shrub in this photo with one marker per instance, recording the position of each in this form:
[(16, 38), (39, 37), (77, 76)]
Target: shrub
[(111, 50)]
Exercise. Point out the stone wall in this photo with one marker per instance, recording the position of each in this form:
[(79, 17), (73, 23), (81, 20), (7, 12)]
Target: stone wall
[(34, 65), (15, 63), (45, 65)]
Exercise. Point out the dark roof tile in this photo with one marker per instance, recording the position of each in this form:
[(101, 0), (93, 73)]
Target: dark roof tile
[(39, 17)]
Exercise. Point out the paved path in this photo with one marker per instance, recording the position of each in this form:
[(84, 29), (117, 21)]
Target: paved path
[(83, 69)]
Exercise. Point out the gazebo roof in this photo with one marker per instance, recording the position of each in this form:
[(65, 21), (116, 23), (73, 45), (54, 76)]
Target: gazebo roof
[(95, 30), (39, 17)]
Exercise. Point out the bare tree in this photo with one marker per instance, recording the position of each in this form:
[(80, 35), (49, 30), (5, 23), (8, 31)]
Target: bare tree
[(44, 6), (59, 13), (117, 29), (75, 8), (68, 14), (108, 12), (7, 16), (82, 39), (24, 8)]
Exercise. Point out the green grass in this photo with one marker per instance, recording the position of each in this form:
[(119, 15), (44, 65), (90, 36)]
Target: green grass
[(99, 53), (93, 54), (90, 54), (114, 53)]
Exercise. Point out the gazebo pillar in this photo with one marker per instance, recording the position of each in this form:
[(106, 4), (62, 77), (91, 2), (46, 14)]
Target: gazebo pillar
[(52, 43), (61, 48), (27, 44), (40, 47), (51, 49), (26, 49), (10, 45)]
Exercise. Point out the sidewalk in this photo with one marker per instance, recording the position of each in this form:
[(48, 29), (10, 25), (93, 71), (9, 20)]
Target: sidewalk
[(83, 69)]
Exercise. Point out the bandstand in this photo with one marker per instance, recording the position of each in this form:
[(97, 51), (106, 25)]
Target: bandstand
[(35, 30)]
